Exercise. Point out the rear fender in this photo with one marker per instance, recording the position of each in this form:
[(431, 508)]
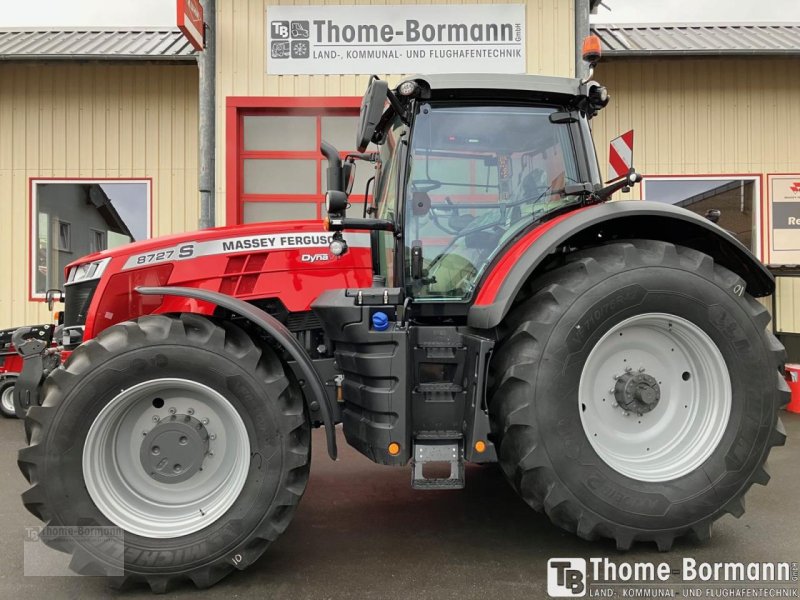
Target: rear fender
[(634, 219), (314, 386)]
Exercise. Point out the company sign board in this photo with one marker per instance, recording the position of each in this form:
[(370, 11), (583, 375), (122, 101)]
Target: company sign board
[(784, 219), (371, 39), (190, 22)]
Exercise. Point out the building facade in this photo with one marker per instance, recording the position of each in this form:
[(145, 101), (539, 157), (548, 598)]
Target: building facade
[(714, 111)]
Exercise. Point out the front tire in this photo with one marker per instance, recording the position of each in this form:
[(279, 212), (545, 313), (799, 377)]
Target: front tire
[(7, 397), (180, 431), (635, 393)]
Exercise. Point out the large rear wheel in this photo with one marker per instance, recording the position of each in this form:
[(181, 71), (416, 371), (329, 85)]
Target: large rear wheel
[(182, 433), (635, 393)]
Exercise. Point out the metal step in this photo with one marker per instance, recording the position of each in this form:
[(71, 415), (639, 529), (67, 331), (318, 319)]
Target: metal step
[(439, 387), (442, 451)]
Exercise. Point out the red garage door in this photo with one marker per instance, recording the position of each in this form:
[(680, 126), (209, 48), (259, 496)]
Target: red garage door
[(275, 171)]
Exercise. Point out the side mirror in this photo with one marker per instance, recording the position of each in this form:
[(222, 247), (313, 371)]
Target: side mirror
[(53, 296), (335, 202), (371, 110), (348, 175)]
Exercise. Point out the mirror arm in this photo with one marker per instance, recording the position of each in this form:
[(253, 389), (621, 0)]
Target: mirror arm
[(626, 182), (365, 156), (398, 108), (370, 181), (342, 223)]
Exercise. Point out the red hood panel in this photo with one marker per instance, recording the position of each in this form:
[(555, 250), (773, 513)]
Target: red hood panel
[(206, 235)]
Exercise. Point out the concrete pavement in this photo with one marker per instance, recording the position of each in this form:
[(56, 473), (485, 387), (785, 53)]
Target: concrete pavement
[(362, 532)]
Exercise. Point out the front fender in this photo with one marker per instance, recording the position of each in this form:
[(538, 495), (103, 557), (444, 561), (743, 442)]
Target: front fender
[(631, 219), (274, 329)]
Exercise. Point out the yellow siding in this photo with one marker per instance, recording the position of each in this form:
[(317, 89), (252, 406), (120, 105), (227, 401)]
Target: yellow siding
[(91, 120), (787, 304), (704, 117), (241, 56)]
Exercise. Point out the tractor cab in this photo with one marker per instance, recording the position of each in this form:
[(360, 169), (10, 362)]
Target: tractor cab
[(465, 165)]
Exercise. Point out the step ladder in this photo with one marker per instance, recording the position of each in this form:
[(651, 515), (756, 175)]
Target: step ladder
[(438, 451)]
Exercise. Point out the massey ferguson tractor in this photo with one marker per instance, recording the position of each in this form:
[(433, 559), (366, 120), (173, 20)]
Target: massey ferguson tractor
[(488, 305)]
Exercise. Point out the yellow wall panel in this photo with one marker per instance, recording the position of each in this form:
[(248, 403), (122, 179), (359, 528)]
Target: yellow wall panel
[(703, 116), (95, 120), (787, 303)]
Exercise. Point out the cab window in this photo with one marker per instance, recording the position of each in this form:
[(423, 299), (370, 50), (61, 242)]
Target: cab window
[(478, 175)]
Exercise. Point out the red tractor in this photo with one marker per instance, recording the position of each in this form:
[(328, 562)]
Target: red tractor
[(40, 338), (489, 306)]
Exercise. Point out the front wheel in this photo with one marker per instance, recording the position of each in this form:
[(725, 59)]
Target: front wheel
[(7, 397), (181, 434), (635, 393)]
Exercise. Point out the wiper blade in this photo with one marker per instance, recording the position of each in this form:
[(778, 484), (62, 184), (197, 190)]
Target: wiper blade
[(578, 189)]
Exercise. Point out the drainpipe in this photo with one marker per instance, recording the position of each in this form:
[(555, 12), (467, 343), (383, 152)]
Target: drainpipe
[(206, 62), (581, 31)]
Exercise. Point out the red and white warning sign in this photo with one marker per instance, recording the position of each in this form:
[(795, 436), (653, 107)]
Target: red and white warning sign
[(620, 156), (190, 22)]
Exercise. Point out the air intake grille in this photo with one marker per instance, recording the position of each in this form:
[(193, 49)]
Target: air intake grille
[(78, 297)]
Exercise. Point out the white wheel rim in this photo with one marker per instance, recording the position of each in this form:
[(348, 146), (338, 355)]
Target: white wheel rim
[(121, 487), (691, 414), (7, 399)]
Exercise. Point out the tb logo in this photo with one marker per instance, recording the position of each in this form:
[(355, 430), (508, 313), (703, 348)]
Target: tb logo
[(566, 577), (280, 30)]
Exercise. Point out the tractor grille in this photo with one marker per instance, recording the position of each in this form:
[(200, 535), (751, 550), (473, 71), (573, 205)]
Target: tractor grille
[(77, 298)]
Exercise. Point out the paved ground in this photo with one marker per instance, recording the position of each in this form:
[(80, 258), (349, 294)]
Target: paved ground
[(361, 532)]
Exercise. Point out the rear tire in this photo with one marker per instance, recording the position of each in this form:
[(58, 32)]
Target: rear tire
[(7, 397), (564, 351), (237, 410)]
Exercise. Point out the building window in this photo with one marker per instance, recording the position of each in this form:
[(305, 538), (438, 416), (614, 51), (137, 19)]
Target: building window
[(97, 241), (732, 202), (280, 172), (63, 235), (73, 218)]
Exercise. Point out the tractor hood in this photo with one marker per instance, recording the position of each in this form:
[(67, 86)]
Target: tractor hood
[(237, 238), (286, 263)]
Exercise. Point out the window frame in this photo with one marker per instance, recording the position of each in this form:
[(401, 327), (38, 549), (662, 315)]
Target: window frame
[(102, 234), (67, 247), (33, 213), (580, 161), (238, 107), (758, 200)]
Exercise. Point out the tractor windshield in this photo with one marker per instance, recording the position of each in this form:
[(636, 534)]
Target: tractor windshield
[(477, 175)]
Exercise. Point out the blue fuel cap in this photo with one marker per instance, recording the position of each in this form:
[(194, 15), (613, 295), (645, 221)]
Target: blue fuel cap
[(380, 321)]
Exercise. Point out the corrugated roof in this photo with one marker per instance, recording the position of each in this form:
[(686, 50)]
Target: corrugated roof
[(95, 44), (701, 39)]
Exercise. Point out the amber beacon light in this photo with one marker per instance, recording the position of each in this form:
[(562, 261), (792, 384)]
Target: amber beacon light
[(591, 49)]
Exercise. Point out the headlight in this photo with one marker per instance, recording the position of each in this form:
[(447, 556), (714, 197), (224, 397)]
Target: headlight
[(87, 271)]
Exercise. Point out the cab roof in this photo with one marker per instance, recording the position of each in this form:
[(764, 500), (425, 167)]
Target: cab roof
[(566, 86)]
